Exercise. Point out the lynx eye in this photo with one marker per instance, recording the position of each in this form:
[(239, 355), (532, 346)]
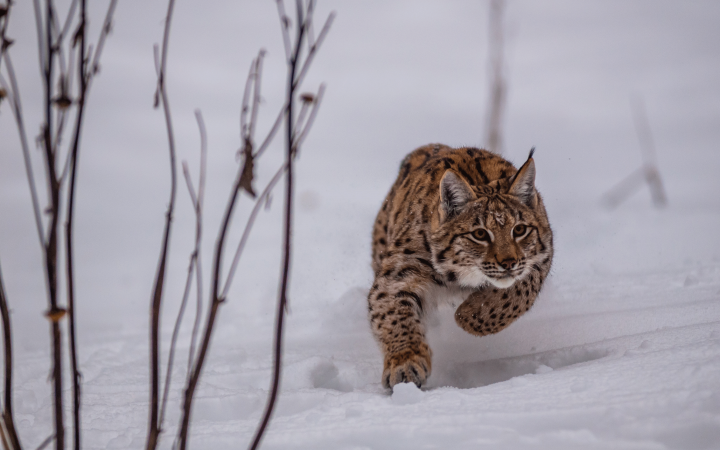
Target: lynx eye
[(481, 234), (519, 230)]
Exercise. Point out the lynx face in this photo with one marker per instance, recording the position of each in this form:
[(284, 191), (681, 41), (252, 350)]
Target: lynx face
[(494, 239)]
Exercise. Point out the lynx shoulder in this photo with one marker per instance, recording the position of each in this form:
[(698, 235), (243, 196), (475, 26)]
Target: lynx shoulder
[(458, 222)]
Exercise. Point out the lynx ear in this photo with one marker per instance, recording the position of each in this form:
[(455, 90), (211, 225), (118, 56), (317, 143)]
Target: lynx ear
[(522, 184), (455, 193)]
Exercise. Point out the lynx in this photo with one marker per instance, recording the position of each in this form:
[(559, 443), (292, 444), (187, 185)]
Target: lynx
[(458, 223)]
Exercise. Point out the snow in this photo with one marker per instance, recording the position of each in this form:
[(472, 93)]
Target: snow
[(621, 350)]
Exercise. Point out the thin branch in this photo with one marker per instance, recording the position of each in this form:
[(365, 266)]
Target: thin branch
[(84, 79), (285, 28), (3, 437), (39, 28), (648, 172), (498, 88), (245, 108), (647, 146), (7, 414), (181, 312), (68, 21), (271, 134), (106, 28), (264, 195), (313, 50), (46, 442), (256, 92), (154, 428), (311, 119), (198, 236), (305, 67), (194, 257), (310, 29), (248, 227), (282, 301), (54, 313), (17, 112)]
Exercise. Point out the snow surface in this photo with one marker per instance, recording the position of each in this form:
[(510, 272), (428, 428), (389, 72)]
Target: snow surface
[(621, 350)]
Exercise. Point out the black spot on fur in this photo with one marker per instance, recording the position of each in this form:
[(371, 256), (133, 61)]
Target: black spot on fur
[(478, 168), (505, 296), (465, 175), (424, 262), (407, 271), (451, 276), (407, 251), (425, 242), (411, 295)]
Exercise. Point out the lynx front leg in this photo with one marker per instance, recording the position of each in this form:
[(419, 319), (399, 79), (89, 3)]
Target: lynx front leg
[(490, 310), (395, 306)]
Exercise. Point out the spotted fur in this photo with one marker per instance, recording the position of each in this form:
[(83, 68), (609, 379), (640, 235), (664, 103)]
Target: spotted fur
[(461, 223)]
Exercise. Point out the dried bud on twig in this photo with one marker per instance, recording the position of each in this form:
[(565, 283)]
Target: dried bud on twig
[(78, 34), (307, 97), (63, 101), (7, 43), (246, 178), (3, 93), (3, 11), (56, 314)]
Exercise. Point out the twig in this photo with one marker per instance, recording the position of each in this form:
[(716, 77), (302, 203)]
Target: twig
[(198, 232), (256, 93), (648, 172), (246, 232), (215, 302), (289, 155), (194, 265), (647, 146), (54, 313), (311, 118), (285, 28), (498, 86), (14, 98), (7, 414), (154, 428), (84, 82), (69, 249), (305, 67), (3, 438), (46, 442)]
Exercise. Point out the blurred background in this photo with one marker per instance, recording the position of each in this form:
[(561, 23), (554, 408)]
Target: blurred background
[(399, 74)]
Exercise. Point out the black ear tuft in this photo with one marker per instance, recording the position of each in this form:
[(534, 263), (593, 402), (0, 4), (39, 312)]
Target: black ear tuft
[(522, 184), (455, 193)]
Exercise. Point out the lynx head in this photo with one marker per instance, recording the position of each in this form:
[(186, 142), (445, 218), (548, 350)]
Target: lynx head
[(490, 234)]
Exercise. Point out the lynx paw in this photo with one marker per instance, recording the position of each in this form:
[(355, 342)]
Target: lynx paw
[(406, 366)]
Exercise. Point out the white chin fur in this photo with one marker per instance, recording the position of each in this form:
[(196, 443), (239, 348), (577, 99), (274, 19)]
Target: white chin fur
[(503, 283), (472, 277)]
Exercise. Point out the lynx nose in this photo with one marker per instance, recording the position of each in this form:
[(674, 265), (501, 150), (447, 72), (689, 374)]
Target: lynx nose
[(508, 263)]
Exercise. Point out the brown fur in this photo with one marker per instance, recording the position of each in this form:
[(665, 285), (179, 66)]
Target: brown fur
[(449, 223)]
